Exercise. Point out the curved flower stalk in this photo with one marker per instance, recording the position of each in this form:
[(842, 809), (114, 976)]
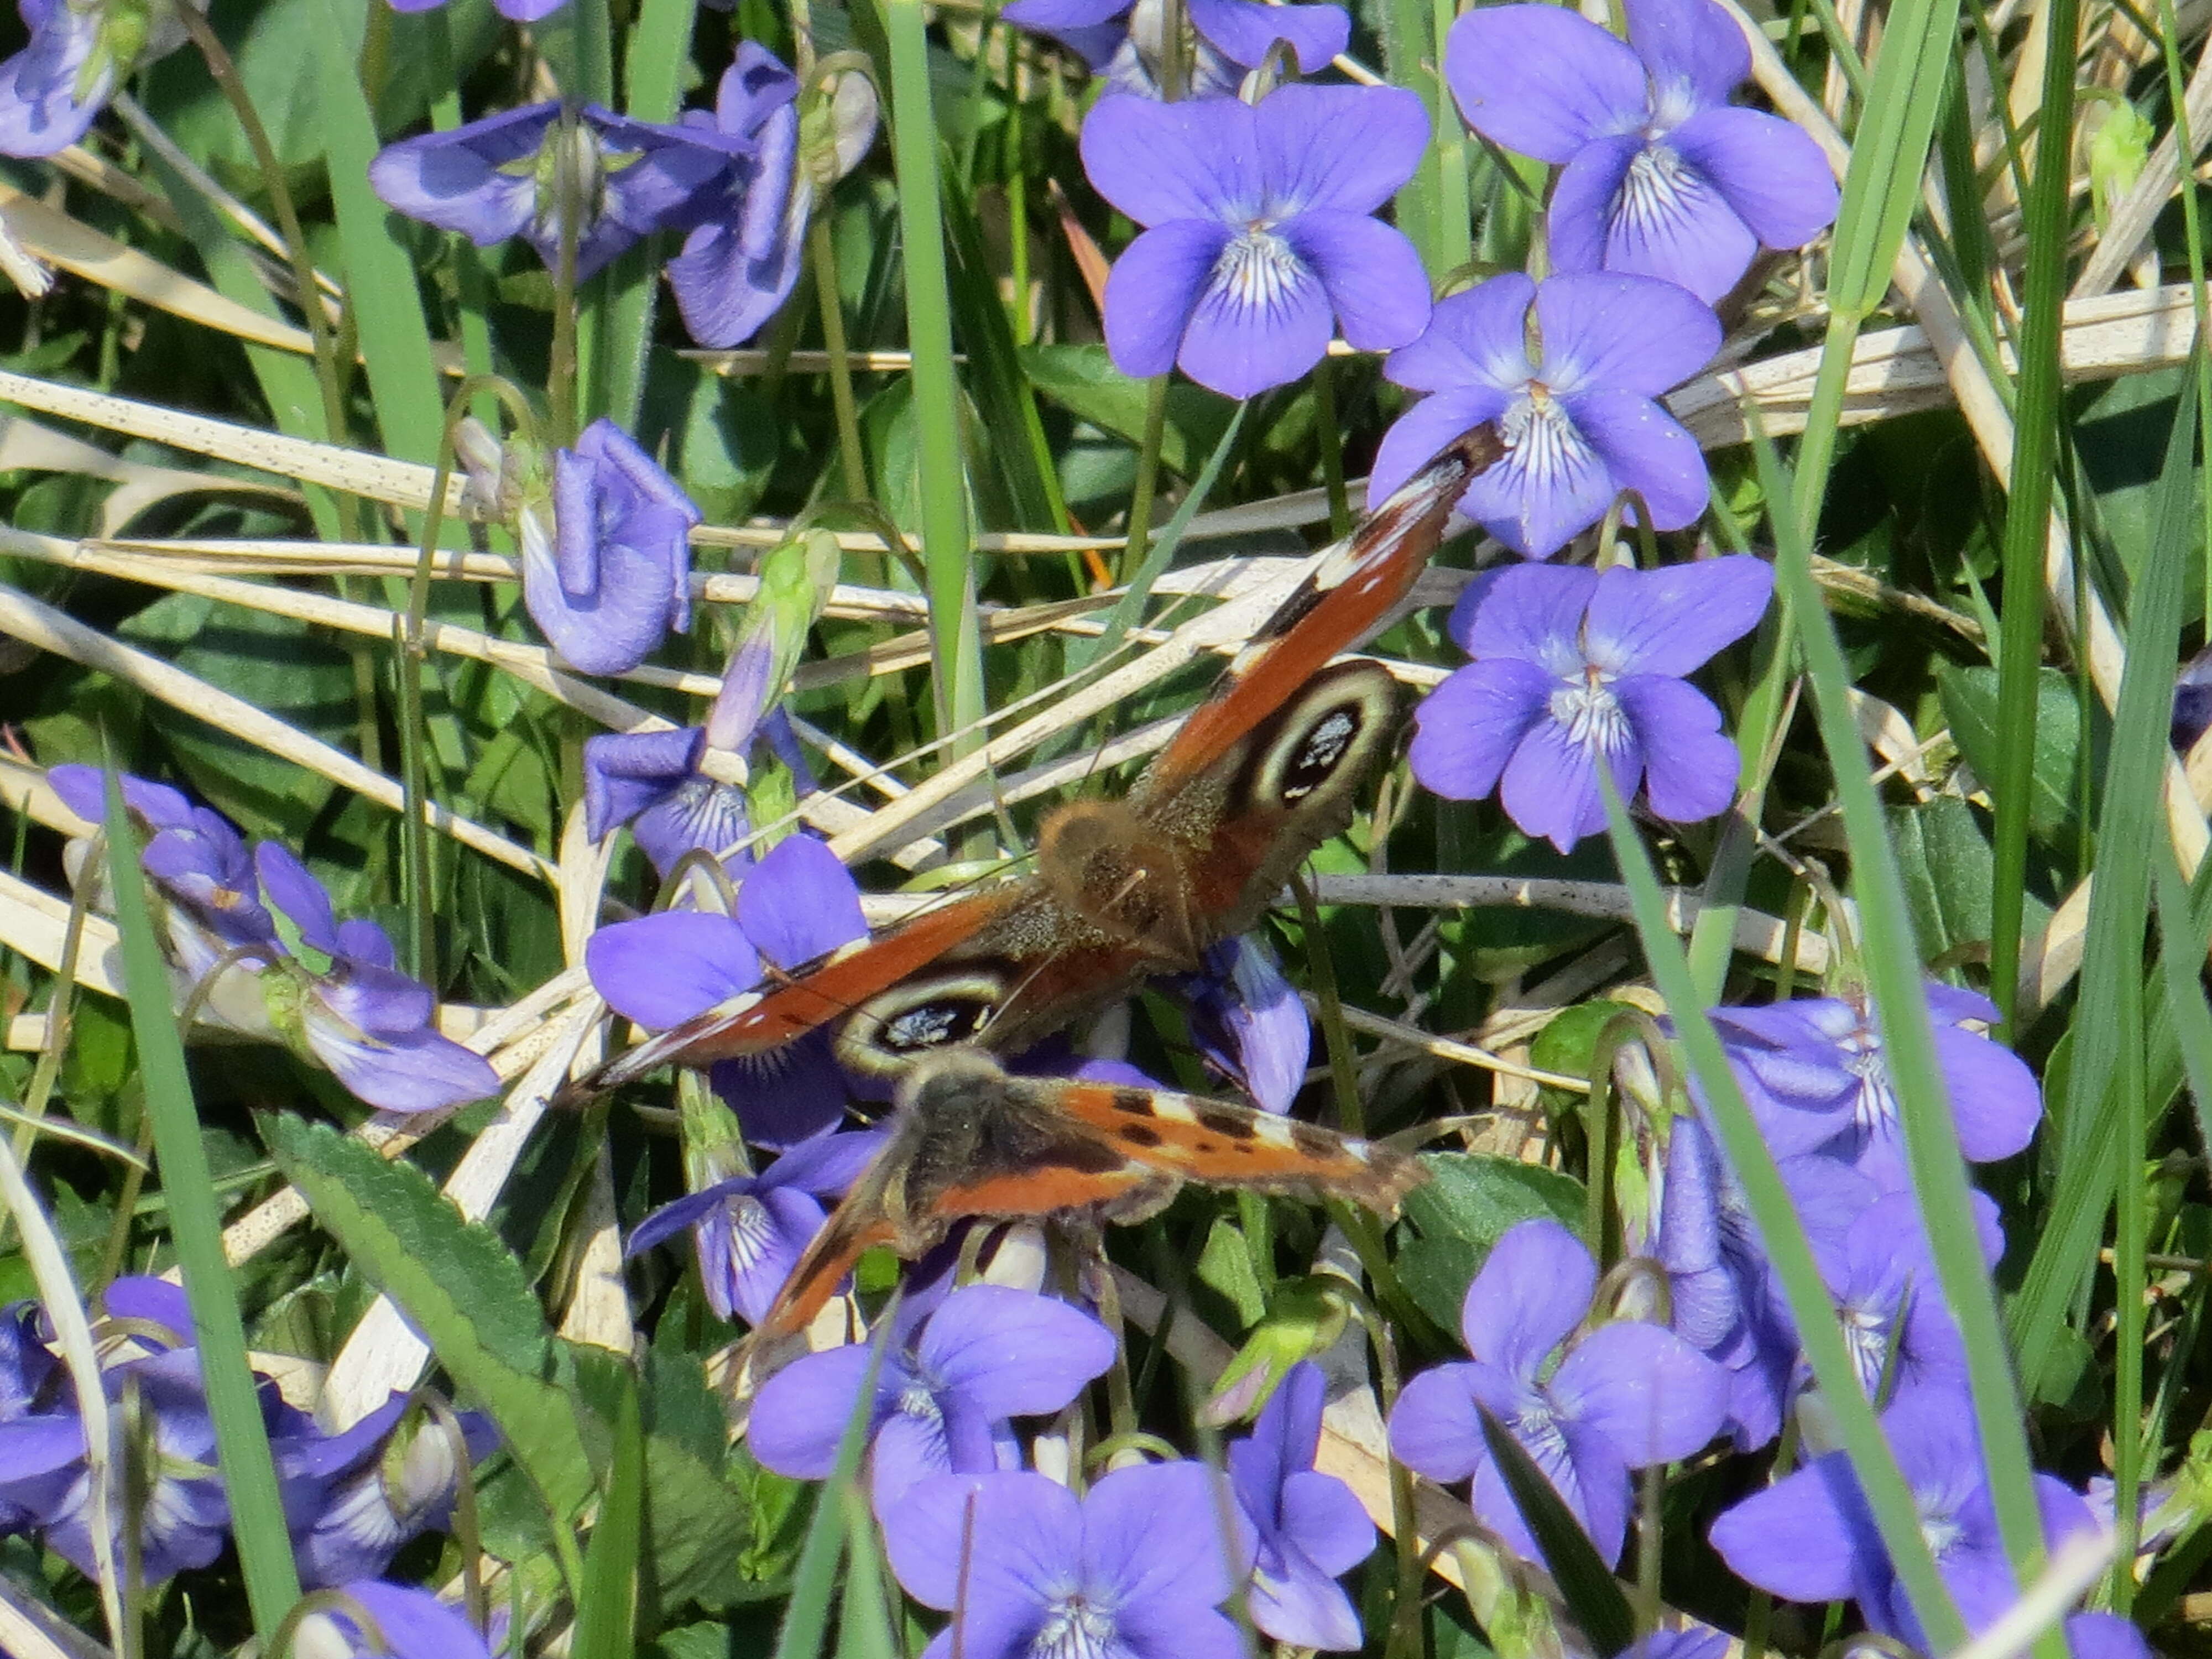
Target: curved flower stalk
[(1573, 668), (80, 51), (1661, 176), (1579, 415), (258, 940), (1260, 238)]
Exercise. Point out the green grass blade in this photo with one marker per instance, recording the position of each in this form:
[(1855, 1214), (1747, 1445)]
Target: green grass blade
[(606, 1611), (1889, 152), (1887, 1496), (945, 547), (379, 273), (1593, 1595), (2130, 835), (1894, 977), (814, 1581), (867, 1629), (1411, 57), (249, 1474), (2036, 416), (2181, 951)]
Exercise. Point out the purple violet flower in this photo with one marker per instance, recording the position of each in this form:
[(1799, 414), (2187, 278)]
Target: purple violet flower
[(1310, 1528), (1725, 1303), (1249, 1022), (187, 1517), (1579, 413), (1819, 1083), (204, 876), (1896, 1323), (749, 1232), (515, 11), (1136, 1568), (413, 1623), (741, 259), (366, 1512), (651, 781), (1627, 1395), (1570, 665), (356, 1013), (1260, 230), (796, 904), (80, 51), (1661, 176), (1121, 39), (1809, 1537), (946, 1387), (613, 575), (2192, 701), (504, 177)]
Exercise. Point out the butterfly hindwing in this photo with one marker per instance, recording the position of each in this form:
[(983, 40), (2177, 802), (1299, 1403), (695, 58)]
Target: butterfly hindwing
[(972, 1143)]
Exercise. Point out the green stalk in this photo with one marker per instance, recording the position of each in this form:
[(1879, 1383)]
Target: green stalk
[(1455, 207), (1332, 448), (1410, 53), (956, 643), (822, 254), (2177, 92), (2130, 1277), (249, 1475), (1143, 491), (2027, 513), (1018, 192), (560, 389)]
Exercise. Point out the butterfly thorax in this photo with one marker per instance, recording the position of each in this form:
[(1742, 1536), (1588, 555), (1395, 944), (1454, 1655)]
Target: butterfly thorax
[(1102, 861)]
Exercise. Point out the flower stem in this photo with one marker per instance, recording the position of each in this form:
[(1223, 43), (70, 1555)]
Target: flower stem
[(1332, 448), (1146, 486), (822, 254), (561, 370)]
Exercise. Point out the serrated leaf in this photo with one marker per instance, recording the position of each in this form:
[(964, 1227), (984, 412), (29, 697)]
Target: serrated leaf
[(457, 1285)]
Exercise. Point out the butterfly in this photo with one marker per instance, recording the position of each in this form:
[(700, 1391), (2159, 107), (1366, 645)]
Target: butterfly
[(1261, 774), (969, 1142)]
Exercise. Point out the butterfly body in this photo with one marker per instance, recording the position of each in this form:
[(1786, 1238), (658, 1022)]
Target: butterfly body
[(969, 1142), (1263, 773)]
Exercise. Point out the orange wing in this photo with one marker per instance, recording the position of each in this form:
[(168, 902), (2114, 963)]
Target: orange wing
[(1339, 606)]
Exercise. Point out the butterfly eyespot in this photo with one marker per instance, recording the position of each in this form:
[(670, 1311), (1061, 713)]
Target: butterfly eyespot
[(886, 1035)]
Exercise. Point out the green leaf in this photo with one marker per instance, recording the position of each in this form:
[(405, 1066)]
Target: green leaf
[(457, 1285), (379, 269), (1470, 1201), (606, 1612), (1083, 380), (1969, 697), (1943, 854), (279, 664)]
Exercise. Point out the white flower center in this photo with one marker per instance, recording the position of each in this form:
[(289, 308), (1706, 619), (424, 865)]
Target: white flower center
[(1595, 720), (1541, 441), (751, 1226), (915, 1401), (1074, 1627), (1874, 1106), (1257, 267), (1657, 192), (1867, 1333)]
